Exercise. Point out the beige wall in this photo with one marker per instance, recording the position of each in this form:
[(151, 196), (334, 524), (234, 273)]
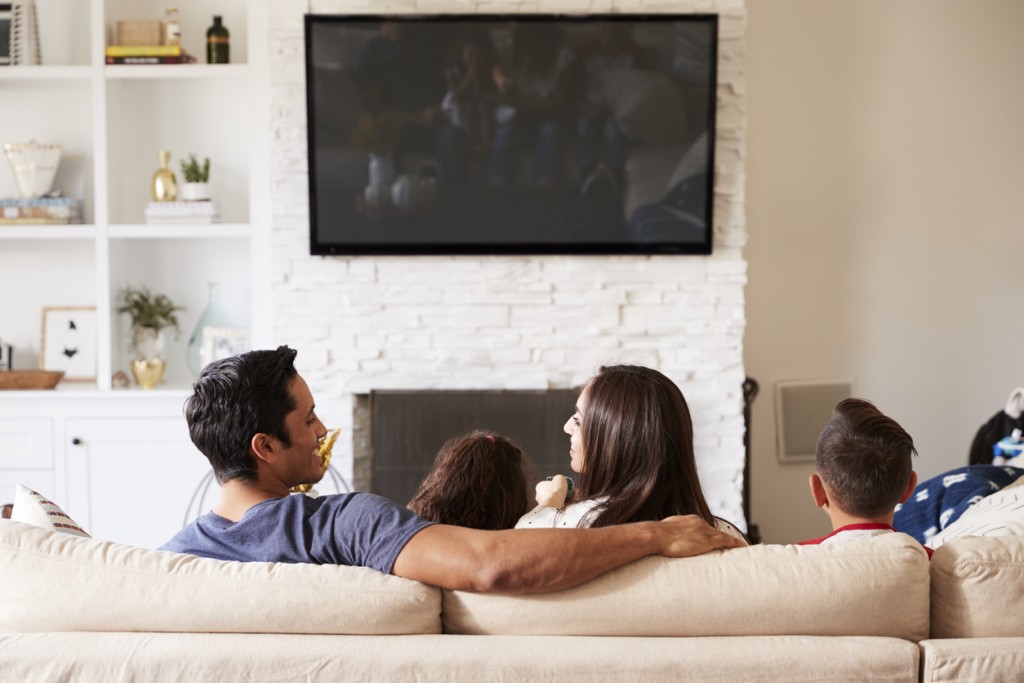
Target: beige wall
[(885, 190)]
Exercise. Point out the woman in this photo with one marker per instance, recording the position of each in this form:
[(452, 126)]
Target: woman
[(477, 481), (631, 441)]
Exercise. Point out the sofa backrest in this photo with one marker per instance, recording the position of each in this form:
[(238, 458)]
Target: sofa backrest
[(51, 581), (875, 587), (978, 588)]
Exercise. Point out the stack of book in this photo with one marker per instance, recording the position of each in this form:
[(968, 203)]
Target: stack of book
[(183, 212), (40, 211), (146, 54)]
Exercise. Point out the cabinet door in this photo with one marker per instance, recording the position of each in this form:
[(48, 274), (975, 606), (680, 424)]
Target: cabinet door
[(26, 456), (131, 480)]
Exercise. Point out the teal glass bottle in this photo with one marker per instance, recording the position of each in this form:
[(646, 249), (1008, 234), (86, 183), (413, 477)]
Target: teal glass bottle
[(214, 315)]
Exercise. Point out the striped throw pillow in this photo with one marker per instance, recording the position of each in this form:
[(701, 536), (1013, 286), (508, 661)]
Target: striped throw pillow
[(35, 509)]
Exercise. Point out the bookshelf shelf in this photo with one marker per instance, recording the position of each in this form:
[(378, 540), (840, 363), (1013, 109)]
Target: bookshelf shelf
[(168, 71), (111, 121), (48, 232), (193, 231), (47, 73)]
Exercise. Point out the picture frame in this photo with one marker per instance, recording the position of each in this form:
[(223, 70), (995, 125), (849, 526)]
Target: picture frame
[(69, 342), (222, 342)]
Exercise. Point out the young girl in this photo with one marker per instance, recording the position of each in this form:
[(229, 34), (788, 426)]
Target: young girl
[(631, 441), (477, 481)]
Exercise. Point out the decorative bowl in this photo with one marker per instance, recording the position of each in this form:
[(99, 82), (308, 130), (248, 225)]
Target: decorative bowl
[(30, 379), (34, 166)]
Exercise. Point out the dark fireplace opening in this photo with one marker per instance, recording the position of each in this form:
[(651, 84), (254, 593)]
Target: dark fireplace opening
[(397, 433)]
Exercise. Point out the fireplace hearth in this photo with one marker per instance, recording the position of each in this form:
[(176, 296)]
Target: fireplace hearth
[(397, 434)]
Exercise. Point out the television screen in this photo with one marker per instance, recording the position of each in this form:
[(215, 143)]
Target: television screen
[(523, 134)]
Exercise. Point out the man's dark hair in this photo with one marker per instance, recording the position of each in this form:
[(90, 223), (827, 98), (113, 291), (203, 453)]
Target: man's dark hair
[(864, 457), (233, 400)]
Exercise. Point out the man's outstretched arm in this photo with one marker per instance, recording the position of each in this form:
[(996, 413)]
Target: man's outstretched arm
[(541, 560)]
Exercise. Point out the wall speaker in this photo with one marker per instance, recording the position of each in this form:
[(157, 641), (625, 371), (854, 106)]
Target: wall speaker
[(801, 411)]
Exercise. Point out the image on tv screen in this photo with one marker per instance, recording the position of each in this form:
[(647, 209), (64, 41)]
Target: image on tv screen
[(511, 134)]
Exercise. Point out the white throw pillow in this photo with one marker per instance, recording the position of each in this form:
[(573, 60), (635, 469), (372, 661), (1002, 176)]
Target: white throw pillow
[(35, 509)]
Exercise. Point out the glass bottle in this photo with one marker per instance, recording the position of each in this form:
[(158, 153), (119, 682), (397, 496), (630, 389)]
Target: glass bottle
[(217, 42), (172, 27), (164, 187), (213, 315)]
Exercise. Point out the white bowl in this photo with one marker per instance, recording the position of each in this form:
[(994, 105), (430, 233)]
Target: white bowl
[(34, 166)]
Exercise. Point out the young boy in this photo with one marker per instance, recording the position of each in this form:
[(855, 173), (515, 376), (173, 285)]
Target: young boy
[(863, 470)]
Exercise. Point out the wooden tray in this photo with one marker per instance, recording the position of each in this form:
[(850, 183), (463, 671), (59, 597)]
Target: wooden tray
[(30, 379)]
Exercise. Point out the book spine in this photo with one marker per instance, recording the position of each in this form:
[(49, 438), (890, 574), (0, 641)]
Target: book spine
[(56, 213), (37, 221), (143, 51), (145, 60), (41, 201)]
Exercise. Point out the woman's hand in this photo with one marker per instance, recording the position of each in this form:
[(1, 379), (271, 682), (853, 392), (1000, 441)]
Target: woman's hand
[(551, 493)]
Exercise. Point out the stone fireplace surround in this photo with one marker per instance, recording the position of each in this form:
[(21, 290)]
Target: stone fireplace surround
[(525, 323)]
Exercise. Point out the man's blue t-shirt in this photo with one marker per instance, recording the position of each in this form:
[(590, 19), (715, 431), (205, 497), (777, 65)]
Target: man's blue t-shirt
[(355, 529)]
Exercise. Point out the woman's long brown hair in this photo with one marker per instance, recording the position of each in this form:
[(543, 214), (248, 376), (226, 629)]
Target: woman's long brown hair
[(638, 448), (478, 480)]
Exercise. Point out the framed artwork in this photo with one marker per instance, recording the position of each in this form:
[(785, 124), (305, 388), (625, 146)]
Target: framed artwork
[(69, 342), (222, 342)]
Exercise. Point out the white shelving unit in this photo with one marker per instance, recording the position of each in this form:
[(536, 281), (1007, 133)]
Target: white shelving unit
[(111, 121), (105, 453)]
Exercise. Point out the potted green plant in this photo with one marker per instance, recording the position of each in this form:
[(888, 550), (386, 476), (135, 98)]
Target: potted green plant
[(150, 315), (197, 179)]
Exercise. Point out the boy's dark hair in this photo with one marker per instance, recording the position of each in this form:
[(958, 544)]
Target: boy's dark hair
[(864, 457), (236, 398), (476, 481)]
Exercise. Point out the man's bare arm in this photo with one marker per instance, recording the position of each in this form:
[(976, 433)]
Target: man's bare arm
[(541, 560)]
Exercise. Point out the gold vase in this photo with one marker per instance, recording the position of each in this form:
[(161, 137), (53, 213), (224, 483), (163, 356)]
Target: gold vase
[(164, 187), (149, 372)]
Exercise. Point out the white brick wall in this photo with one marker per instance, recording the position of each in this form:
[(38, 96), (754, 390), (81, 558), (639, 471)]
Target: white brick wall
[(472, 322)]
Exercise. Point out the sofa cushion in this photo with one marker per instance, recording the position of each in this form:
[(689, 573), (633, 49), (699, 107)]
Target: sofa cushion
[(972, 659), (51, 581), (875, 587), (35, 509), (220, 657), (978, 588)]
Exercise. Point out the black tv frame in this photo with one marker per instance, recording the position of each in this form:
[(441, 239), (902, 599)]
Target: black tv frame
[(322, 245)]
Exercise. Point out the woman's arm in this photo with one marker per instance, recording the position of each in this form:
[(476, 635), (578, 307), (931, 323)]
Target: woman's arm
[(541, 560)]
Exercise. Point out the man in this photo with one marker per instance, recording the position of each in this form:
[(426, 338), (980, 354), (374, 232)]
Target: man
[(254, 418)]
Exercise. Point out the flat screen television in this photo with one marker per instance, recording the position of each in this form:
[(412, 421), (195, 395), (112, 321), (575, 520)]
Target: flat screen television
[(511, 134)]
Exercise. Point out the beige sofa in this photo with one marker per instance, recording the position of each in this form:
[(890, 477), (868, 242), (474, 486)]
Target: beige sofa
[(74, 608)]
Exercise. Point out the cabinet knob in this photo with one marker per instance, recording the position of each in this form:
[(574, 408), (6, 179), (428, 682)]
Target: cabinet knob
[(76, 441)]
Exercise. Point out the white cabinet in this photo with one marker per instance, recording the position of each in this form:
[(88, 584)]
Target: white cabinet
[(26, 455), (111, 121), (121, 464), (131, 480)]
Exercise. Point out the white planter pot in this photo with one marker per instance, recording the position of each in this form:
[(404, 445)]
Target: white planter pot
[(147, 343), (195, 192)]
